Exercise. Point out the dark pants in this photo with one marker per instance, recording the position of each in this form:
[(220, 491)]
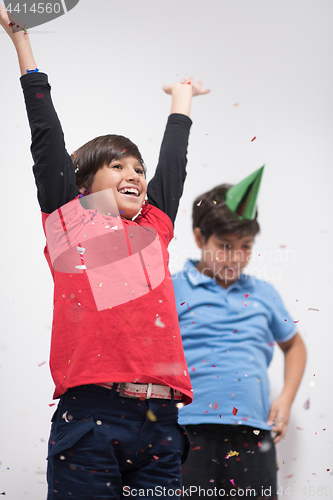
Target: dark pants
[(103, 446), (230, 458)]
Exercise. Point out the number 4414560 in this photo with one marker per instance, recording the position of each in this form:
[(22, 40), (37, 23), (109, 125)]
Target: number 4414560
[(39, 8)]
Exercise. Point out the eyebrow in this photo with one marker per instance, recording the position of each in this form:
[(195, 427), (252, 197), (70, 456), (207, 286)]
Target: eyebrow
[(228, 241)]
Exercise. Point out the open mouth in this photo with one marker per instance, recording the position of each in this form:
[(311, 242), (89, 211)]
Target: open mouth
[(130, 191)]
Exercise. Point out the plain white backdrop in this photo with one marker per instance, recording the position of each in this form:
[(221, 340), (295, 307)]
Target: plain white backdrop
[(269, 67)]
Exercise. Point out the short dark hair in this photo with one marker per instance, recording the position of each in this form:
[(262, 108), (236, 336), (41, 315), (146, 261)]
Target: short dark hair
[(93, 155), (212, 216)]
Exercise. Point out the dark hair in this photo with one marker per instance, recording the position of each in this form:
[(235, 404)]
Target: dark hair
[(93, 155), (211, 214)]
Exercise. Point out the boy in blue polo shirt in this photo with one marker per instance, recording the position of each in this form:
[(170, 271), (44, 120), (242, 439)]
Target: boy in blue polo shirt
[(229, 323)]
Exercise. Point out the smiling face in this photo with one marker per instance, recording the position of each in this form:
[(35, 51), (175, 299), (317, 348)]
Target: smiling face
[(126, 179), (223, 257)]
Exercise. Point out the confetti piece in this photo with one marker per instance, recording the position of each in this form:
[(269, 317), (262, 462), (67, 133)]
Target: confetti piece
[(234, 411), (193, 369), (306, 405), (121, 211), (232, 454), (159, 322), (81, 267), (259, 444), (312, 309), (39, 96), (65, 417), (196, 448), (246, 295), (299, 428), (271, 343), (232, 482), (81, 250), (182, 303), (213, 366), (156, 457), (253, 139), (296, 321), (41, 364), (216, 405), (151, 416), (198, 204), (236, 104), (244, 304), (51, 404), (214, 202), (188, 307)]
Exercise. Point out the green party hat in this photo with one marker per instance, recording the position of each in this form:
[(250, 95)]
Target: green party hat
[(242, 197)]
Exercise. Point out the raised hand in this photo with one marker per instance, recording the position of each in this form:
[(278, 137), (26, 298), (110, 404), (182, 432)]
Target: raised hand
[(182, 94), (196, 89)]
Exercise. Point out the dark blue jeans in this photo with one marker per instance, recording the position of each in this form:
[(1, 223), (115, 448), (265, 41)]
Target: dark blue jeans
[(103, 446)]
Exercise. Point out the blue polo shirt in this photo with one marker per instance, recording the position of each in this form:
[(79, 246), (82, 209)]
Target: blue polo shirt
[(228, 337)]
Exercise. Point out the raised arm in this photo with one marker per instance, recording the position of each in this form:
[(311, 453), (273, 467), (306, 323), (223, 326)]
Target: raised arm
[(166, 187), (53, 168)]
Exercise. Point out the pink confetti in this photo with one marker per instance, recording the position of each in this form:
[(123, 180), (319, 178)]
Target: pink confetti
[(234, 411), (296, 321), (244, 304), (156, 457), (306, 405), (232, 482), (41, 364), (216, 406)]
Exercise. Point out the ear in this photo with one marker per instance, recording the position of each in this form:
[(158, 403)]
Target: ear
[(199, 239), (84, 191)]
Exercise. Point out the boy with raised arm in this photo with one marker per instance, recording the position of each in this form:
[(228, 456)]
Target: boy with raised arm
[(116, 352)]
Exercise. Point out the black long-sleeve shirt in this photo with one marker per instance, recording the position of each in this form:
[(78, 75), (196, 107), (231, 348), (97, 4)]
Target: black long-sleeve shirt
[(53, 167)]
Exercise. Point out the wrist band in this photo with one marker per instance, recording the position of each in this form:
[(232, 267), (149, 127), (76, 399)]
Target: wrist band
[(32, 70)]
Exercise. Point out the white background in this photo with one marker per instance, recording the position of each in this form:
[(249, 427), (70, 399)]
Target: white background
[(107, 61)]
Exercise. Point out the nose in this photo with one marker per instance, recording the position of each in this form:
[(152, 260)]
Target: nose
[(132, 175), (237, 256)]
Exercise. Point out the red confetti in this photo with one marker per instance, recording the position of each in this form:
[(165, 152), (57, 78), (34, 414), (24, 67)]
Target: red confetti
[(234, 411), (235, 331), (216, 406), (296, 321), (246, 295), (11, 24), (41, 364), (259, 444), (213, 366), (196, 448), (253, 139), (206, 411), (193, 369), (182, 303), (188, 307), (271, 343), (38, 95), (51, 404)]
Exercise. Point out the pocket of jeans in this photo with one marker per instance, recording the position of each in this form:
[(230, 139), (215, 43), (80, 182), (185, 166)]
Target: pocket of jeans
[(72, 436), (186, 443)]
